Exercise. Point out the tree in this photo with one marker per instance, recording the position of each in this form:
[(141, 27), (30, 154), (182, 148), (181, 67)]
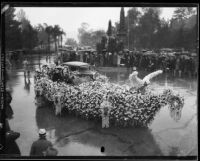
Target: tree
[(56, 32), (42, 35), (182, 13), (72, 42), (29, 37), (61, 36), (122, 25), (115, 29), (132, 21), (162, 38), (96, 36), (29, 34), (21, 16), (12, 31), (149, 25), (103, 42), (89, 37), (112, 45), (101, 45), (109, 31), (183, 27), (83, 34), (49, 31)]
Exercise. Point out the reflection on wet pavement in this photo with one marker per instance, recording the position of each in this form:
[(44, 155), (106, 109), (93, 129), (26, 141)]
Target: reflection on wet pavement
[(74, 136)]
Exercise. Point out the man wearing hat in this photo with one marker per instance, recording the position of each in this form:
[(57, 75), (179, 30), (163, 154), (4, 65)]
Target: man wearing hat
[(40, 146)]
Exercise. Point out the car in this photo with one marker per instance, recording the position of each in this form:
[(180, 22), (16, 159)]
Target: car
[(81, 69)]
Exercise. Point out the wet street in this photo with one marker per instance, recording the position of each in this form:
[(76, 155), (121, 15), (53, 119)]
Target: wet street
[(74, 136)]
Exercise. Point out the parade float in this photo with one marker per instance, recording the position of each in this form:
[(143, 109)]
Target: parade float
[(130, 106)]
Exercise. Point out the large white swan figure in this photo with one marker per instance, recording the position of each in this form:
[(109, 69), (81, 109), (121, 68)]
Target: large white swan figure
[(137, 82)]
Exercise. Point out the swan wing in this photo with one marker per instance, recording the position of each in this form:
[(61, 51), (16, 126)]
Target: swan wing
[(134, 80), (152, 75)]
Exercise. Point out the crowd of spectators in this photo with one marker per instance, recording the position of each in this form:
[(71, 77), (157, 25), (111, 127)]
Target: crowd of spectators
[(178, 65)]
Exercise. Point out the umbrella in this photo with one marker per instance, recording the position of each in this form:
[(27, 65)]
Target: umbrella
[(194, 54), (125, 50), (177, 53), (149, 54), (144, 50), (171, 54), (185, 56)]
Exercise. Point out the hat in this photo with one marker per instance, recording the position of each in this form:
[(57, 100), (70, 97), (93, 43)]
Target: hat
[(42, 131)]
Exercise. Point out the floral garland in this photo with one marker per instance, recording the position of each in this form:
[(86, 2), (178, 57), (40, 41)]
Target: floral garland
[(176, 103)]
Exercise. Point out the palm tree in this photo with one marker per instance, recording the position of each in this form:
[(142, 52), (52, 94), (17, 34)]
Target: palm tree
[(55, 33), (49, 31), (61, 36), (41, 35)]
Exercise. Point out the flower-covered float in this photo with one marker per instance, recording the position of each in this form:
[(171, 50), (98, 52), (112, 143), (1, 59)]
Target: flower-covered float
[(130, 106)]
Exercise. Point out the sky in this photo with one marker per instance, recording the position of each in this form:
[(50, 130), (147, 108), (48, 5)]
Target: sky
[(70, 18)]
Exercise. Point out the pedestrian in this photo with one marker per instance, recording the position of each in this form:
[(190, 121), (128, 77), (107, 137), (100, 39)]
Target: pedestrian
[(106, 59), (177, 67), (56, 60), (8, 110), (190, 67), (81, 56), (26, 67), (87, 57), (27, 84), (40, 146), (115, 59), (101, 60), (131, 59), (10, 135), (118, 60), (60, 58), (106, 107), (97, 60), (173, 65), (91, 58), (182, 66), (8, 64), (196, 67)]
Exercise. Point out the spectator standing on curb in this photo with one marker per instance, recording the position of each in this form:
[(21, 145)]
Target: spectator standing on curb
[(40, 146)]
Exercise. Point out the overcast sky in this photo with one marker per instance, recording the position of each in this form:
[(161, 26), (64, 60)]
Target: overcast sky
[(70, 18)]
